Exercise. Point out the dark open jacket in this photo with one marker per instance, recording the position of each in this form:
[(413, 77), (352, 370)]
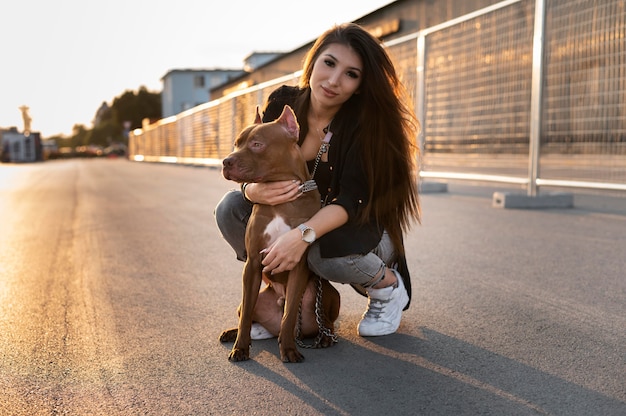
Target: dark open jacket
[(348, 185)]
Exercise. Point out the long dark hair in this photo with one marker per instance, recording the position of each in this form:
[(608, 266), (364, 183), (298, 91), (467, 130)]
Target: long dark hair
[(385, 126)]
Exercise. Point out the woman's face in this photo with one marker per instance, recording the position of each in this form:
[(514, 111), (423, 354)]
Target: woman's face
[(336, 75)]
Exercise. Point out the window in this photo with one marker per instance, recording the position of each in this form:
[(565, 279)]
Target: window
[(198, 81)]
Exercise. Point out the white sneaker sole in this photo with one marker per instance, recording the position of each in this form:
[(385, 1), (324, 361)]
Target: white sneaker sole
[(258, 332)]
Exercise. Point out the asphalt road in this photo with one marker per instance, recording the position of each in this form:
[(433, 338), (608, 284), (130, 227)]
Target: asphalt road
[(115, 284)]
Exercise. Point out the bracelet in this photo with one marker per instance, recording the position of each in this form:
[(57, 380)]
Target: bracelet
[(243, 192)]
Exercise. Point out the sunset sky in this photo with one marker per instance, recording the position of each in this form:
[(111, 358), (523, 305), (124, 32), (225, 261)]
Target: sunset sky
[(64, 58)]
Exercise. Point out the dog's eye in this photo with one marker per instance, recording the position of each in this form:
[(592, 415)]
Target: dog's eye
[(257, 146)]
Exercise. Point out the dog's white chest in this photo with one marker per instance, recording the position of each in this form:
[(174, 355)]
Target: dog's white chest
[(276, 228)]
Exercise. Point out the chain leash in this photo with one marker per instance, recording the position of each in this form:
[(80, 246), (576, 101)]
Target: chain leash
[(323, 149), (319, 318), (319, 312)]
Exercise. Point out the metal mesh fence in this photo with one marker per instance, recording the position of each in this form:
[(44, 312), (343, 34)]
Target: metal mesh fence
[(203, 135), (584, 117), (477, 93), (404, 57)]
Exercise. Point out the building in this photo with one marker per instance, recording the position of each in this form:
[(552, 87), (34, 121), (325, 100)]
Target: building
[(187, 88), (18, 147), (257, 59)]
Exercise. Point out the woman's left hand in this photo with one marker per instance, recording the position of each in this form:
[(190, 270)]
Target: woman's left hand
[(285, 253)]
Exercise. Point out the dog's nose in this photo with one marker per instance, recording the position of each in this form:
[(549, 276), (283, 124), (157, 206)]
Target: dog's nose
[(228, 162)]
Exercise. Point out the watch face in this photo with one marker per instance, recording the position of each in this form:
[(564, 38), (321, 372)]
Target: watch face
[(308, 235)]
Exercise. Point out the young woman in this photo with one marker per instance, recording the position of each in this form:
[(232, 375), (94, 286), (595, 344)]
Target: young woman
[(358, 135)]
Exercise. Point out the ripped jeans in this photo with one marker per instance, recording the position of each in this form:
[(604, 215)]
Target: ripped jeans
[(365, 270)]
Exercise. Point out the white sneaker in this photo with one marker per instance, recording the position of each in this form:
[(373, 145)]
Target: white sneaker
[(384, 310), (258, 332)]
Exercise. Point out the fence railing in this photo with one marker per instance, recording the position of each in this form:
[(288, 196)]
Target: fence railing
[(525, 92)]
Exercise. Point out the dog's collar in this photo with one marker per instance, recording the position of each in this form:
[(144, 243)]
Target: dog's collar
[(307, 186)]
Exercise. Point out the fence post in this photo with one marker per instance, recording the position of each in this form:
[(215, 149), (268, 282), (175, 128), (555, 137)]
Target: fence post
[(532, 199), (536, 97)]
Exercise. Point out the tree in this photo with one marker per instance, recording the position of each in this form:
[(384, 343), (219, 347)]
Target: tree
[(108, 127), (80, 135), (106, 133), (134, 107)]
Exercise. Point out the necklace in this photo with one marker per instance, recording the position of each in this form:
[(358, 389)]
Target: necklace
[(323, 147), (324, 130)]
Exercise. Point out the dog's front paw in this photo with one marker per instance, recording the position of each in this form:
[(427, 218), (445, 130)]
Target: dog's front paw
[(230, 335), (327, 341), (291, 355), (239, 354)]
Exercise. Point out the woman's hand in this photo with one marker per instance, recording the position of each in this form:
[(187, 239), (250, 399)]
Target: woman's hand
[(273, 193), (285, 253)]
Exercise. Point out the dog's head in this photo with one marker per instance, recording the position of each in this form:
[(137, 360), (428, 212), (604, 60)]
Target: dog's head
[(266, 152)]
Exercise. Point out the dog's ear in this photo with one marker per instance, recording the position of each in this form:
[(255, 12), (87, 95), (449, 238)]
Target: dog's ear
[(257, 119), (288, 120)]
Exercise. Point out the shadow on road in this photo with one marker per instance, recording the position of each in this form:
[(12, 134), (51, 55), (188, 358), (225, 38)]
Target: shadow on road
[(429, 375)]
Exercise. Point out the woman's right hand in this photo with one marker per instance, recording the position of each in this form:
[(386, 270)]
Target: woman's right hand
[(273, 193)]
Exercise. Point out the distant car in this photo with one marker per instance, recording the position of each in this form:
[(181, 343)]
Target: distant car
[(115, 150)]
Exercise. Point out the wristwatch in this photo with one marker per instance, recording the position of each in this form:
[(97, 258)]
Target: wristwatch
[(308, 233)]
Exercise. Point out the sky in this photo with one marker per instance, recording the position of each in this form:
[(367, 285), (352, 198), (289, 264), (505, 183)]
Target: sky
[(63, 58)]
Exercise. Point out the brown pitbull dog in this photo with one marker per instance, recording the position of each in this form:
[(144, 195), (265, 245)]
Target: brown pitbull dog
[(267, 152)]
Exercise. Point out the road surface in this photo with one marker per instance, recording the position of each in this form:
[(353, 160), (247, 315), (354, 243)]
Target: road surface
[(115, 284)]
